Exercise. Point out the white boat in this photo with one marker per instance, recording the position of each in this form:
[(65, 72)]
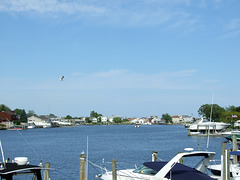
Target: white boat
[(19, 166), (228, 135), (234, 168), (65, 123), (172, 170), (31, 126), (43, 125), (137, 125), (204, 125)]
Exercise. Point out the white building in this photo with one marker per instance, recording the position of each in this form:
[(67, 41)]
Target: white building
[(181, 119), (39, 121)]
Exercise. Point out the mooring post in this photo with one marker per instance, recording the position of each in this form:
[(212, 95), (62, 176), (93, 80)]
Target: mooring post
[(82, 166), (181, 159), (234, 141), (47, 171), (114, 169), (228, 164), (154, 156), (223, 159)]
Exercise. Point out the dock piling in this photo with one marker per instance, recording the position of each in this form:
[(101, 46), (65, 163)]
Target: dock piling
[(154, 156), (225, 174), (82, 166), (47, 171), (114, 169), (234, 141)]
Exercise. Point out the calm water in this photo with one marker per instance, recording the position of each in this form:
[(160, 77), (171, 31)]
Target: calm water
[(125, 143)]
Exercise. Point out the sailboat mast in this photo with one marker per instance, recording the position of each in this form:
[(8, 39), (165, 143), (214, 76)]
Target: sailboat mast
[(2, 153), (210, 122)]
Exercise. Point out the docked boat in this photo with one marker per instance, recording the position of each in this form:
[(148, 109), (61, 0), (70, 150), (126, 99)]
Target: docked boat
[(174, 170), (137, 125), (204, 125), (234, 168), (19, 166), (31, 126), (228, 135), (42, 124)]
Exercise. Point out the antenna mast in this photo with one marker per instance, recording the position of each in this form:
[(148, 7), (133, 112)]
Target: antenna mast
[(2, 154), (210, 121)]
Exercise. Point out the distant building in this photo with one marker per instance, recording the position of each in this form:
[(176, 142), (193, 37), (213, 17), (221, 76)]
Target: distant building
[(40, 121), (7, 118), (93, 119), (104, 119), (177, 119), (187, 118)]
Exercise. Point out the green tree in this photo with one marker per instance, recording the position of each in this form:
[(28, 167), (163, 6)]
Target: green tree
[(4, 108), (23, 116), (31, 113), (117, 120), (99, 119), (217, 111), (68, 117), (238, 109), (95, 114), (167, 118), (227, 117), (88, 120), (230, 108), (18, 111)]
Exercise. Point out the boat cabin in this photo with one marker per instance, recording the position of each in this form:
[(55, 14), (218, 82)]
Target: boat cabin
[(9, 170)]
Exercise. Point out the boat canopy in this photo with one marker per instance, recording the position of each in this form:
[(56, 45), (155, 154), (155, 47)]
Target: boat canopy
[(12, 169), (236, 153), (179, 171)]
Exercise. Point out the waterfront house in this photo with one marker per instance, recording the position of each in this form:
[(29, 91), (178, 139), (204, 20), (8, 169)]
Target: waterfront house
[(155, 120), (237, 124), (39, 121), (79, 121), (104, 119), (93, 119), (134, 120), (7, 118), (187, 118), (177, 119)]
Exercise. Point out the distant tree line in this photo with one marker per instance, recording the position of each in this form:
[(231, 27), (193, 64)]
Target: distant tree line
[(217, 113), (22, 115)]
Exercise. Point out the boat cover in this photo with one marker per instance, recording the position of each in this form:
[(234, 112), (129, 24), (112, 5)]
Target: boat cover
[(15, 168), (179, 171), (236, 153)]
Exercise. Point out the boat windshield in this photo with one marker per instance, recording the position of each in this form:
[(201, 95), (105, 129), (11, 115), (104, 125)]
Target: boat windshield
[(145, 170)]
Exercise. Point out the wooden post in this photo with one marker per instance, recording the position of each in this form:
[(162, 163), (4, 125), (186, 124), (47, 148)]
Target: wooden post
[(82, 166), (234, 141), (47, 171), (181, 159), (154, 156), (223, 173), (228, 164), (114, 169)]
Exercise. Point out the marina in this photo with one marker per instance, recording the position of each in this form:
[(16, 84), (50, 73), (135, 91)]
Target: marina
[(130, 146)]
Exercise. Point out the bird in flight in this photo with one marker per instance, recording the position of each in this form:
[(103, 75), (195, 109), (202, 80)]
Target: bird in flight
[(61, 78)]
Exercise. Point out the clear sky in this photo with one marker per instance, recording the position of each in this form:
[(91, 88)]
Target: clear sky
[(130, 58)]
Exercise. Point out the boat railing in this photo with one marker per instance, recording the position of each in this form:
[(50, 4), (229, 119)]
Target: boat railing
[(214, 162)]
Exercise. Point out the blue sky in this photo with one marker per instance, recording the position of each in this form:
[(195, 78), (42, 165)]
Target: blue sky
[(129, 58)]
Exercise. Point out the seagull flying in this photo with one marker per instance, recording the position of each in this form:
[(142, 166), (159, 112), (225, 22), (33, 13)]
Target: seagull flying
[(61, 78)]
